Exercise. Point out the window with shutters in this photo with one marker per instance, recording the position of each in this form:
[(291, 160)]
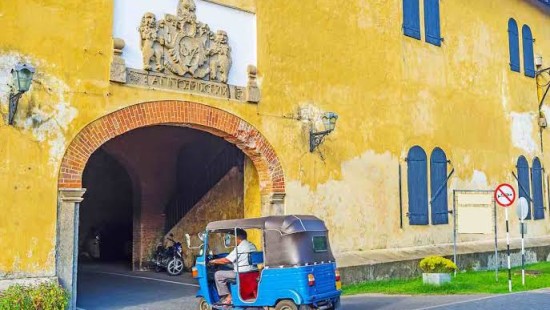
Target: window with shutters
[(528, 53), (431, 22), (417, 186), (523, 182), (513, 44), (438, 187), (536, 182), (411, 18)]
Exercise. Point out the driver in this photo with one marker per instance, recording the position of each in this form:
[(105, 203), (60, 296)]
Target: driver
[(221, 276)]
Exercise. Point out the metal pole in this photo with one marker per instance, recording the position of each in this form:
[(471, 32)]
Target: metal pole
[(454, 228), (496, 240), (508, 251), (400, 200), (522, 254)]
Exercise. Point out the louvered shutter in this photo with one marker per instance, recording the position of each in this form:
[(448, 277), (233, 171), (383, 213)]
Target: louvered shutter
[(523, 182), (536, 181), (513, 44), (438, 187), (528, 53), (432, 22), (417, 186), (411, 18)]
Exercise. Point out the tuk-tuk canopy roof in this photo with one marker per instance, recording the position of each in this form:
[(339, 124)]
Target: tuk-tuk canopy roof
[(285, 224)]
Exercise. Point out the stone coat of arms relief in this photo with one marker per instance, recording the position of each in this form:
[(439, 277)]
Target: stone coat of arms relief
[(180, 52)]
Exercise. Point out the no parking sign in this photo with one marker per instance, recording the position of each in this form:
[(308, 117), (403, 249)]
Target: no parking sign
[(505, 195)]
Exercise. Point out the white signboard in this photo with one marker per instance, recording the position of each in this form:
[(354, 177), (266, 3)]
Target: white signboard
[(475, 220)]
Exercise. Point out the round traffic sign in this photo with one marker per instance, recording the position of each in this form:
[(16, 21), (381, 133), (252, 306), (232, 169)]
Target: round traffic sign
[(522, 208), (505, 195)]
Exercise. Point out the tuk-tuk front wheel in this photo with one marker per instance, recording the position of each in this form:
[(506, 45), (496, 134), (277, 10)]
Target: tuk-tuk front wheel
[(286, 305), (203, 305)]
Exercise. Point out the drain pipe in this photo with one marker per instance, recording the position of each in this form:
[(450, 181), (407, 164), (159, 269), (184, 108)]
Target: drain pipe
[(542, 117)]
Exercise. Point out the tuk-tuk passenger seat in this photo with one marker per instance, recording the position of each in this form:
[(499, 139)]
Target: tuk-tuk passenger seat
[(249, 280)]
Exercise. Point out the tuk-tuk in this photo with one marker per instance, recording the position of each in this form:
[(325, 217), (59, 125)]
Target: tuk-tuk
[(295, 266)]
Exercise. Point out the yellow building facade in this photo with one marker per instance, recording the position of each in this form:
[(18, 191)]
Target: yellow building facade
[(391, 92)]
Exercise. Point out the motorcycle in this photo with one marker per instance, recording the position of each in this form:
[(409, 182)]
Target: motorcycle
[(169, 258)]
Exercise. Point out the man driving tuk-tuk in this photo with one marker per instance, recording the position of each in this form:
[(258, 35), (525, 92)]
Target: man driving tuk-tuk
[(240, 261), (293, 269)]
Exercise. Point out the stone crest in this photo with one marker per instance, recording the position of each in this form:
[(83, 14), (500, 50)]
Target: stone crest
[(182, 45)]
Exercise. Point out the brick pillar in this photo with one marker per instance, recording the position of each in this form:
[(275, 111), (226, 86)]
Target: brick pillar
[(66, 259)]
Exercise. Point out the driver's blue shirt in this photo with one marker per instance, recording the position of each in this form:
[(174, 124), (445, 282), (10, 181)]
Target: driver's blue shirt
[(243, 249)]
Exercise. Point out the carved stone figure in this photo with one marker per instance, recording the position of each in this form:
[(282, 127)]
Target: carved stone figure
[(184, 46), (220, 61), (186, 7), (150, 44)]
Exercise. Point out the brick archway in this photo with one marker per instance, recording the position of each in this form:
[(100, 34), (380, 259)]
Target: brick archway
[(195, 115)]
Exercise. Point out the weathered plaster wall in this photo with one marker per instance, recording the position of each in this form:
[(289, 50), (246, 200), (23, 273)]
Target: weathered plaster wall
[(390, 91)]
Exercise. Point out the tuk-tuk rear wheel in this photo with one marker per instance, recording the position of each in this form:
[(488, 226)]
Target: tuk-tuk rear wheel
[(286, 305), (203, 305)]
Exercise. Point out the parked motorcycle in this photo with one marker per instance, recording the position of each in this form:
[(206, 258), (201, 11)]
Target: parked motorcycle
[(169, 258)]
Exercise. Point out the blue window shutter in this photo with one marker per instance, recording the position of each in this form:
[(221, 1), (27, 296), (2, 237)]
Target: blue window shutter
[(431, 22), (536, 175), (523, 181), (513, 44), (438, 186), (411, 18), (417, 186), (528, 53)]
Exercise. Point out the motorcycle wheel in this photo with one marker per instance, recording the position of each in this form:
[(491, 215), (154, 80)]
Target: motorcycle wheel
[(203, 305), (175, 266)]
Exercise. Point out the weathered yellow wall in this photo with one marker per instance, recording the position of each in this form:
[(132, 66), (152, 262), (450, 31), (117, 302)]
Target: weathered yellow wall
[(390, 91)]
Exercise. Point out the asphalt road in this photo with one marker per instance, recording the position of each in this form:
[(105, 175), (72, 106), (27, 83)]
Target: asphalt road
[(111, 287)]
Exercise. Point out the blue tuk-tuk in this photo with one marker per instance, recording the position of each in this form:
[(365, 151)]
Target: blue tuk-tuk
[(296, 268)]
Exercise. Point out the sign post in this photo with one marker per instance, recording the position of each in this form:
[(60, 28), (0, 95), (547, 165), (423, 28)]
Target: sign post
[(522, 210), (505, 196)]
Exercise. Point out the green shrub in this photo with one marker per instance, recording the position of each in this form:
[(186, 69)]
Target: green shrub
[(44, 296), (437, 264)]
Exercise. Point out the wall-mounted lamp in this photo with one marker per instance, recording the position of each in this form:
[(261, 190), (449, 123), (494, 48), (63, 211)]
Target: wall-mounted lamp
[(22, 78), (316, 137)]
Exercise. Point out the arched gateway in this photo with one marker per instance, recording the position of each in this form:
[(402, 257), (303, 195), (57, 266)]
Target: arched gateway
[(179, 113), (195, 115)]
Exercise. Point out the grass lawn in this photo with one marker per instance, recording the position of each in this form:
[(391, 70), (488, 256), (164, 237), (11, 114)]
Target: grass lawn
[(471, 282)]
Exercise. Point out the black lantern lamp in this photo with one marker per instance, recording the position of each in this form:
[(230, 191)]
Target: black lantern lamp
[(316, 137), (22, 79)]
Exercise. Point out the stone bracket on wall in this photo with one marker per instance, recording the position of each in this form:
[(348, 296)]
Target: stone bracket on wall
[(167, 81)]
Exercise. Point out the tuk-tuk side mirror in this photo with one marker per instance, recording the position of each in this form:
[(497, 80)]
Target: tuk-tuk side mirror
[(188, 241), (227, 240)]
